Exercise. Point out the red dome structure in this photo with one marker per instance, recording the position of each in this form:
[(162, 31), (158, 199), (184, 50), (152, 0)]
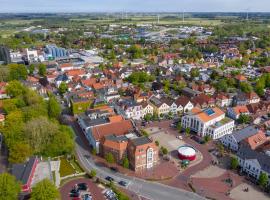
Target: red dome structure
[(186, 153)]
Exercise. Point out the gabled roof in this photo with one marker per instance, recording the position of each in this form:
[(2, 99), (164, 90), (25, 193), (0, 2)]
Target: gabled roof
[(263, 160), (117, 128), (23, 171), (244, 133), (182, 100)]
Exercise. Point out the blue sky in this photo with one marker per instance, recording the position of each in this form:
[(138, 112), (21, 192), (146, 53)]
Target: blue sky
[(133, 5)]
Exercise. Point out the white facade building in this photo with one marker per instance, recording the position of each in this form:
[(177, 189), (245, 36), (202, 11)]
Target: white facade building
[(211, 121)]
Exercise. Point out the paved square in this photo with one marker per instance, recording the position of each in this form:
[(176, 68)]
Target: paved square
[(253, 193)]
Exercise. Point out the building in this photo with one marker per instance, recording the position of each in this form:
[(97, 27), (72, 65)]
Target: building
[(129, 109), (184, 104), (24, 173), (142, 153), (253, 163), (160, 106), (116, 145), (186, 153), (210, 121), (52, 52), (235, 112), (5, 55), (232, 141), (95, 130)]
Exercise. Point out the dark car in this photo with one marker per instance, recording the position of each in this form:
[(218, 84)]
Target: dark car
[(197, 139), (108, 178), (76, 194), (114, 169), (74, 190), (82, 186), (123, 183)]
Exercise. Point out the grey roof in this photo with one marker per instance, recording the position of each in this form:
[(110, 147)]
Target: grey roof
[(141, 141), (22, 171), (116, 138), (94, 122), (246, 153), (244, 133)]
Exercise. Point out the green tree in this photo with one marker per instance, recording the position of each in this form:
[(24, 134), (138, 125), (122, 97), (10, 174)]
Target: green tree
[(207, 138), (244, 119), (45, 190), (234, 163), (245, 87), (179, 127), (148, 117), (194, 72), (263, 180), (19, 152), (93, 173), (15, 88), (125, 163), (42, 69), (164, 150), (31, 69), (54, 108), (63, 88), (157, 143), (187, 131), (109, 158), (9, 187), (17, 72)]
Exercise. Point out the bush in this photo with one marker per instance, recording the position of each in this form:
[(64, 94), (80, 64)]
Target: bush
[(164, 150), (93, 173), (157, 143)]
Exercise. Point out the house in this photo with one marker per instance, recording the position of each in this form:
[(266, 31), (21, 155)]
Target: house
[(222, 100), (203, 101), (233, 140), (147, 108), (190, 92), (235, 112), (129, 109), (252, 162), (240, 78), (160, 106), (252, 97), (256, 140), (184, 104), (24, 173), (210, 121), (142, 153)]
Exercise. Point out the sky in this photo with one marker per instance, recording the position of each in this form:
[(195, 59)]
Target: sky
[(134, 5)]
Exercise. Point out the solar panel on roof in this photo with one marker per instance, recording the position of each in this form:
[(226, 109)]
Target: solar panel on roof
[(209, 111)]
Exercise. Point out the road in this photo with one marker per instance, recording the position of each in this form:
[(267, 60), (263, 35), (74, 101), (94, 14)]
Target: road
[(143, 188)]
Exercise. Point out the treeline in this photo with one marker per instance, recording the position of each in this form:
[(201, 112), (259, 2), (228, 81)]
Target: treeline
[(31, 126)]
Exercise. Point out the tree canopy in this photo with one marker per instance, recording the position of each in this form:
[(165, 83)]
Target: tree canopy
[(9, 187), (45, 190)]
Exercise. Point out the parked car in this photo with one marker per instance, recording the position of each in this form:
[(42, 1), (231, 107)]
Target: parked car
[(123, 183), (179, 137), (108, 178), (114, 169), (75, 194), (82, 186), (87, 197), (197, 139)]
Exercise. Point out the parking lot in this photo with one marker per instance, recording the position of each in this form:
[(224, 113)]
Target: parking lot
[(93, 189)]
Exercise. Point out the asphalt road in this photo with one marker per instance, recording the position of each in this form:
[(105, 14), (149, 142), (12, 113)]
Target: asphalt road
[(143, 188)]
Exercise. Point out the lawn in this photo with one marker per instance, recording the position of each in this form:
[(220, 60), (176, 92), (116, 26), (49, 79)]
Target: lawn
[(66, 168)]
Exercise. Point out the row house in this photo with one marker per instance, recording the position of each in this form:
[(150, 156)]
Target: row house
[(237, 111), (203, 101), (129, 109), (232, 141), (163, 106), (253, 163), (210, 121), (246, 98)]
